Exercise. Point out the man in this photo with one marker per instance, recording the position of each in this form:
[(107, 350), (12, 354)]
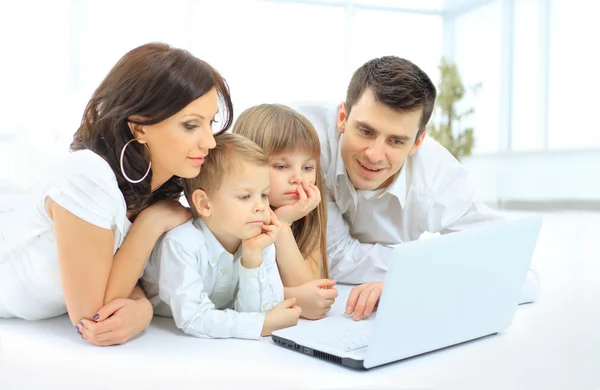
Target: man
[(388, 182)]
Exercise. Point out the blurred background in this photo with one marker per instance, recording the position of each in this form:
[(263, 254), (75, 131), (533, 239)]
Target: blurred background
[(527, 67)]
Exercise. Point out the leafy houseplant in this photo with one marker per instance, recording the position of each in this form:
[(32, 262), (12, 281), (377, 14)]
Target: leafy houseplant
[(447, 130)]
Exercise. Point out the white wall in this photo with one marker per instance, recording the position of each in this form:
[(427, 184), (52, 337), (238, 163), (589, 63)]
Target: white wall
[(569, 176), (268, 51)]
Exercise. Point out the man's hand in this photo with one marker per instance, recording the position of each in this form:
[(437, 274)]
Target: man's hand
[(363, 300), (309, 198)]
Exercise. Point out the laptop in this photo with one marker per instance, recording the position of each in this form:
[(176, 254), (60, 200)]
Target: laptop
[(438, 292)]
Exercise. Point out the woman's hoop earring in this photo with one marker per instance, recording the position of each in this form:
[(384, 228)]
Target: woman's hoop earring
[(123, 169)]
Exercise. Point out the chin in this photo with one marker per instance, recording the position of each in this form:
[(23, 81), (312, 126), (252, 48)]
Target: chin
[(253, 232), (365, 185), (189, 173)]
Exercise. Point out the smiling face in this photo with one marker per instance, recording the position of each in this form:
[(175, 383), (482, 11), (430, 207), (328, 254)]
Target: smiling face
[(179, 144), (288, 172), (377, 140)]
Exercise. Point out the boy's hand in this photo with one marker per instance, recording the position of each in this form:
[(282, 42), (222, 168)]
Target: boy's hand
[(283, 315), (309, 198), (252, 247)]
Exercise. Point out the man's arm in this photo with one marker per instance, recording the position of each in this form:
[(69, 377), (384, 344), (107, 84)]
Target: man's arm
[(351, 261)]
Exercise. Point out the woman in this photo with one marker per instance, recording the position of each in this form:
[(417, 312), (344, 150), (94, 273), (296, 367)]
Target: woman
[(80, 242)]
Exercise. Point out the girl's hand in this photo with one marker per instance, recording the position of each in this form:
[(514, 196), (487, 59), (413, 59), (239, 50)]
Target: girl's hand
[(309, 199), (315, 297)]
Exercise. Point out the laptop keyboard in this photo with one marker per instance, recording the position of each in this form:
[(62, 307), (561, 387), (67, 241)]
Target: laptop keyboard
[(346, 334)]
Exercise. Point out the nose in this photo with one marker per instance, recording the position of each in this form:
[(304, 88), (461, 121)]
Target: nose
[(206, 139), (375, 151), (259, 206), (210, 141), (296, 177)]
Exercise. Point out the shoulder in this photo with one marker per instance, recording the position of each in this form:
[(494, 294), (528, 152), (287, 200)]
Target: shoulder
[(91, 170), (86, 161), (84, 184), (433, 168), (186, 236), (322, 115)]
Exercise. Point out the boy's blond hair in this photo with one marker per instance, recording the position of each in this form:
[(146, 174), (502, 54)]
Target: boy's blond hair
[(229, 155)]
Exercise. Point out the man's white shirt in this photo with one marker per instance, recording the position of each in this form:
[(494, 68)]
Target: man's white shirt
[(433, 193), (206, 289)]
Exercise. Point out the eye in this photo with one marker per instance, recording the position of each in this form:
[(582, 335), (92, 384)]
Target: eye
[(265, 196), (244, 197), (309, 169), (189, 126), (279, 167), (365, 131), (397, 142)]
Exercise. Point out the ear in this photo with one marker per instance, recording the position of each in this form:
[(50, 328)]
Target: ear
[(201, 203), (342, 116), (138, 131), (417, 144)]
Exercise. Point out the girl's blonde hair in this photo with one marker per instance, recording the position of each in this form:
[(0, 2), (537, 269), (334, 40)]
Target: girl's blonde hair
[(278, 129)]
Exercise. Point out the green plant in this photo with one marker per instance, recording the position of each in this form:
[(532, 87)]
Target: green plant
[(447, 131)]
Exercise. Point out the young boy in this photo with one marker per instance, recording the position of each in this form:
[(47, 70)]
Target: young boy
[(217, 274)]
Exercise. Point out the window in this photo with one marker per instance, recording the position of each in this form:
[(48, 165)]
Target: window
[(416, 37), (273, 52), (574, 81), (477, 55), (527, 103)]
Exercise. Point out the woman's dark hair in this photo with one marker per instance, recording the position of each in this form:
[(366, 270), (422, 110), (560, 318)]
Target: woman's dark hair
[(153, 81)]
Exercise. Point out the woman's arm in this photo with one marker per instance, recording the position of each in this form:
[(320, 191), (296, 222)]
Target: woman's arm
[(90, 275), (130, 259), (85, 258)]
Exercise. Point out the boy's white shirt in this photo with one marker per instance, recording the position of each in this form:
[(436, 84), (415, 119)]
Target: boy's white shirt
[(208, 291), (432, 193)]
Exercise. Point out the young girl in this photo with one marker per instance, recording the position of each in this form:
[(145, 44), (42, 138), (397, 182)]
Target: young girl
[(297, 187), (79, 243)]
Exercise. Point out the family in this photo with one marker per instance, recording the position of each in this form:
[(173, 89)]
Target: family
[(284, 202)]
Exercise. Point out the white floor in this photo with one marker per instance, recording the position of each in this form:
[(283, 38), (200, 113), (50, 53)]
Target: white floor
[(552, 344)]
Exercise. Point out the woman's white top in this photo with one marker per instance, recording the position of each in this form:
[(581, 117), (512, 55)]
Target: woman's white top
[(30, 284)]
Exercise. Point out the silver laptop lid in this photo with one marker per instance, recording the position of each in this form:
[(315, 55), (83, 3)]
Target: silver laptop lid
[(450, 289)]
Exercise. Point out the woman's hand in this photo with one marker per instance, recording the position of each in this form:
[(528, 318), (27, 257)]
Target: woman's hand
[(166, 214), (117, 322), (309, 198)]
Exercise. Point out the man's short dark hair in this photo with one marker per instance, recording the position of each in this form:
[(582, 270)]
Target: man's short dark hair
[(395, 82)]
